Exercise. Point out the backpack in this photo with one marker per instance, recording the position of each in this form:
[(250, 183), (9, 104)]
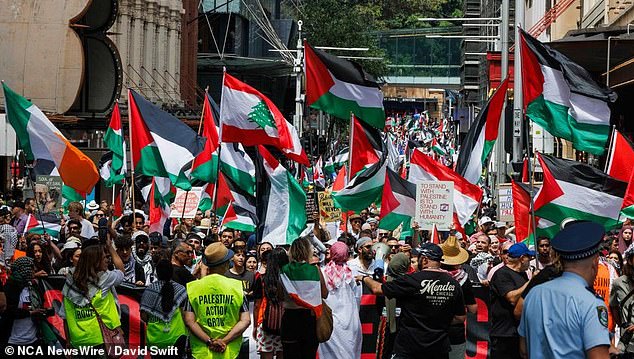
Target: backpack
[(272, 321)]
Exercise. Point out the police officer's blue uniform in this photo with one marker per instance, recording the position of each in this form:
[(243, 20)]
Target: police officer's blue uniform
[(564, 318)]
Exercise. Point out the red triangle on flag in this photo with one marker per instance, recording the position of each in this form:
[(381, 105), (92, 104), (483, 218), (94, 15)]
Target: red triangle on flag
[(435, 236), (363, 152), (550, 189)]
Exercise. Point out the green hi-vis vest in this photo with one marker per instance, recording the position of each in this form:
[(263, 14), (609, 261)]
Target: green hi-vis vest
[(216, 301), (83, 325), (164, 334)]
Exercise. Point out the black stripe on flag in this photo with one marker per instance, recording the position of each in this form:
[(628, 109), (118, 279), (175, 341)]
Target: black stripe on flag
[(578, 79), (400, 185), (584, 175), (167, 126), (346, 71)]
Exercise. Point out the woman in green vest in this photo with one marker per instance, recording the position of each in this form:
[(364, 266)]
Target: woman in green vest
[(91, 286), (162, 304)]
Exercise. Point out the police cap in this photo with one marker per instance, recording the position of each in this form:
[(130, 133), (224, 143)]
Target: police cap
[(578, 240)]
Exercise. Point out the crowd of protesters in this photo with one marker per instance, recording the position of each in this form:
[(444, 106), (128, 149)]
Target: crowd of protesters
[(215, 292)]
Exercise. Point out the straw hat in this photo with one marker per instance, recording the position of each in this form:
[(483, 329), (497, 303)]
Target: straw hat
[(205, 224), (453, 254), (216, 254)]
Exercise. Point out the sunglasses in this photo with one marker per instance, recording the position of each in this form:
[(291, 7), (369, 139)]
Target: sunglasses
[(100, 215), (193, 241), (367, 247), (73, 228), (505, 251), (394, 246)]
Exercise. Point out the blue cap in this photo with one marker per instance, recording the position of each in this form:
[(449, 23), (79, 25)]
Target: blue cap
[(431, 251), (520, 249), (578, 240)]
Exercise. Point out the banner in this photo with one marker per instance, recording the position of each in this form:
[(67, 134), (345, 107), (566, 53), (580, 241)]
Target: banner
[(327, 210), (505, 202), (477, 326)]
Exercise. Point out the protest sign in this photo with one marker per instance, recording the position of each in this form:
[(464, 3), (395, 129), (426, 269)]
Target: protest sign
[(186, 203), (312, 207), (48, 193), (434, 204), (327, 210), (505, 202)]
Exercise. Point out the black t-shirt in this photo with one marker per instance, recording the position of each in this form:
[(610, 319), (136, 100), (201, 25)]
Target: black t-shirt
[(428, 300), (182, 276), (246, 277), (504, 280), (456, 331), (545, 275)]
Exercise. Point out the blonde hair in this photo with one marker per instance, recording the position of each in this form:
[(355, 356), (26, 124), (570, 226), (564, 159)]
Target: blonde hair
[(301, 250)]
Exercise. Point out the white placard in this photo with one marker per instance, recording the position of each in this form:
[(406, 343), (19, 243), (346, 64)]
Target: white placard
[(505, 203), (186, 203), (434, 204)]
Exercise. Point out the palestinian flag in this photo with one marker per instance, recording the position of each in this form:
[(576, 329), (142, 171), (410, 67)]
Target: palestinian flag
[(562, 97), (249, 117), (162, 145), (522, 216), (42, 141), (46, 223), (70, 195), (398, 201), (318, 174), (160, 198), (236, 164), (619, 161), (243, 203), (302, 177), (285, 217), (627, 208), (230, 215), (340, 181), (434, 235), (116, 144), (574, 190), (481, 137), (205, 167), (341, 158), (340, 87), (302, 284), (365, 189), (206, 197), (466, 197), (436, 147), (367, 147)]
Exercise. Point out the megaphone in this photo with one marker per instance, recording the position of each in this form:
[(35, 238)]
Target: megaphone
[(381, 251)]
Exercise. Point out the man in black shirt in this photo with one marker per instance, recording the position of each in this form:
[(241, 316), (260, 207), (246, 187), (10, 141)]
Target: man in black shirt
[(182, 256), (507, 285), (430, 300)]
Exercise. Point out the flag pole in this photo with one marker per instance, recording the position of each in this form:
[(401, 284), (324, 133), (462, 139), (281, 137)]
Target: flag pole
[(607, 160), (214, 206), (200, 127), (131, 158)]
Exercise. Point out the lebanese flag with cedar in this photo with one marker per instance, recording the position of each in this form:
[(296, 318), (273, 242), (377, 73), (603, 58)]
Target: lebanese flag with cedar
[(250, 118)]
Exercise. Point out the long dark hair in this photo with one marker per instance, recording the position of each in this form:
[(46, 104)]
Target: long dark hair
[(44, 263), (164, 272), (88, 267), (273, 288)]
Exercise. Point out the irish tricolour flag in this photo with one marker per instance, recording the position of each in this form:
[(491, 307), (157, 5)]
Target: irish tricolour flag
[(340, 87), (42, 141), (286, 209), (562, 97)]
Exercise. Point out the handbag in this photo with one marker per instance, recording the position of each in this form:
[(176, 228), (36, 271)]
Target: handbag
[(272, 322), (324, 323), (111, 337)]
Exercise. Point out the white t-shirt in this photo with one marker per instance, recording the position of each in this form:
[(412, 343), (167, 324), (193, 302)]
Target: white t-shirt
[(24, 330)]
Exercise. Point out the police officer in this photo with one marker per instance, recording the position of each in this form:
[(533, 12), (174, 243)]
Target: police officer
[(219, 310), (564, 318)]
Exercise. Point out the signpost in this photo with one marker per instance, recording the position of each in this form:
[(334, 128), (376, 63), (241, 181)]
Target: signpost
[(434, 204)]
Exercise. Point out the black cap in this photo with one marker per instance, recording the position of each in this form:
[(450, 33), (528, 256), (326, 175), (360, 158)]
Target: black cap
[(431, 251), (4, 211), (578, 240)]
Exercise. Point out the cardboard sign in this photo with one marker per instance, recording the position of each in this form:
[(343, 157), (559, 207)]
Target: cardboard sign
[(312, 207), (434, 204), (48, 193), (327, 210), (505, 203), (186, 203)]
